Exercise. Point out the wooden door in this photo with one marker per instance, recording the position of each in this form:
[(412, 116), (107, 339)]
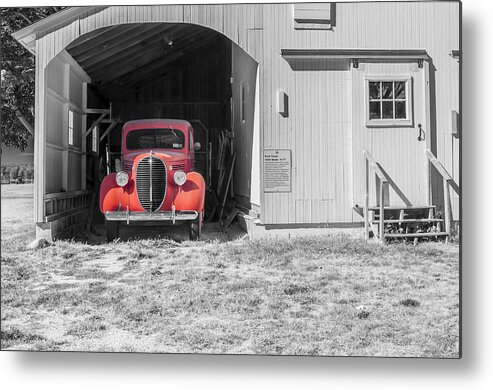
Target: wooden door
[(390, 122)]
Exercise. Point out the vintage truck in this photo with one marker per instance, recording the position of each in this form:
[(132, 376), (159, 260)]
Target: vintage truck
[(157, 184)]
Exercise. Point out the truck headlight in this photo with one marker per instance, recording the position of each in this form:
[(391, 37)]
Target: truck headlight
[(122, 178), (180, 177)]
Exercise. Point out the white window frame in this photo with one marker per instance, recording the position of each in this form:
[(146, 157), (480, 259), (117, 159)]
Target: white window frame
[(95, 139), (408, 121), (70, 126)]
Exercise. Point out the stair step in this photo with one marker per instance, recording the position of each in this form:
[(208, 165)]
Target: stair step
[(377, 208), (409, 220), (397, 235)]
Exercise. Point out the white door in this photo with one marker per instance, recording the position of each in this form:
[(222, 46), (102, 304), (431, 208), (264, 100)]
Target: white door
[(389, 117)]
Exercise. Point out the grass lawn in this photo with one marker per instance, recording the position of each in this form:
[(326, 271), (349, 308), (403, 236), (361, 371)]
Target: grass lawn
[(331, 294)]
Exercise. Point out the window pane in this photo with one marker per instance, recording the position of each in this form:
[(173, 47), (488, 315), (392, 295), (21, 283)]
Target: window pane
[(387, 90), (400, 90), (388, 110), (375, 110), (400, 110), (374, 90), (155, 138)]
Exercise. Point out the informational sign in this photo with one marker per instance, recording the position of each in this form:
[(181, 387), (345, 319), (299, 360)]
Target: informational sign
[(277, 170)]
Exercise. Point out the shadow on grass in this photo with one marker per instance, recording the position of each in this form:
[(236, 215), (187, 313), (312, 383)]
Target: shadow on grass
[(178, 233)]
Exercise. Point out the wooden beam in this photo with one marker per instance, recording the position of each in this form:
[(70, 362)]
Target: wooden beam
[(441, 169), (382, 213), (375, 166), (24, 122), (119, 45), (135, 75), (446, 203), (151, 77), (133, 58), (88, 131), (367, 199), (97, 111), (130, 62), (126, 51), (108, 130), (85, 42), (96, 45), (364, 54)]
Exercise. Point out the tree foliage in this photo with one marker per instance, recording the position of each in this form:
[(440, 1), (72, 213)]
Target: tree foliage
[(17, 75)]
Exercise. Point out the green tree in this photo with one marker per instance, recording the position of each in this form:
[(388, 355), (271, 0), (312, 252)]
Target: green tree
[(14, 171), (17, 75), (20, 175), (30, 173)]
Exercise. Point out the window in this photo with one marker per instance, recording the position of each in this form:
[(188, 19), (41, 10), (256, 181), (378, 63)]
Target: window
[(95, 139), (70, 127), (155, 139), (388, 102)]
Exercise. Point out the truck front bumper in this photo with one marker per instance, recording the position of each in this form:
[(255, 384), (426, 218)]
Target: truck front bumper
[(145, 216)]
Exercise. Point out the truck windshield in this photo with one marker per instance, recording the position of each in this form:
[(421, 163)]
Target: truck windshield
[(155, 139)]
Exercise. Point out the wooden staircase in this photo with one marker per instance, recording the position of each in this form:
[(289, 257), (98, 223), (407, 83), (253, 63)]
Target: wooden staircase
[(407, 222)]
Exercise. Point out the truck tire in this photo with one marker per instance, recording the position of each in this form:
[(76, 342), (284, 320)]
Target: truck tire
[(112, 230), (195, 228)]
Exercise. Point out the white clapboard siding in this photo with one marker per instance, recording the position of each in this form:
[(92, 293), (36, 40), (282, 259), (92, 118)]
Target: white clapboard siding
[(326, 177)]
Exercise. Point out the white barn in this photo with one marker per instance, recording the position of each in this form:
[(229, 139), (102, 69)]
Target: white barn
[(337, 110)]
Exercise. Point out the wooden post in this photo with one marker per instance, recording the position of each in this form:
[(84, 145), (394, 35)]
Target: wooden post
[(382, 238), (367, 200), (446, 201), (40, 137)]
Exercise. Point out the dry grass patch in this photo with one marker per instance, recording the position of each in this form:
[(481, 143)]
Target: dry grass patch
[(325, 295)]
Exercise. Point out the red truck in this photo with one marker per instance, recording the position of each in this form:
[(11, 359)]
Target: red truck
[(157, 183)]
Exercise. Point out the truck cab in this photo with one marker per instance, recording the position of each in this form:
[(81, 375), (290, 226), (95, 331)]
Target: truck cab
[(157, 183)]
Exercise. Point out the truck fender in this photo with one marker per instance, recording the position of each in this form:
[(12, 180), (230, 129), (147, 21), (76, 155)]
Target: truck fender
[(110, 194), (191, 195)]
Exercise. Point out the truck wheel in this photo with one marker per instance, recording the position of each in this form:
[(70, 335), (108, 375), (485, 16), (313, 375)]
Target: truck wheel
[(112, 230), (195, 228)]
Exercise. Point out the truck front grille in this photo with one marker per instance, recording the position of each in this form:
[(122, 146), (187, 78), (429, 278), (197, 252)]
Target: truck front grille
[(151, 182)]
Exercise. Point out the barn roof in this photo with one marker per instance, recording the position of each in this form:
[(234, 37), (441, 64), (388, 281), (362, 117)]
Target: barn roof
[(28, 35)]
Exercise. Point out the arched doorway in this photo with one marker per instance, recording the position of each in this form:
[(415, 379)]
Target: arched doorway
[(160, 70)]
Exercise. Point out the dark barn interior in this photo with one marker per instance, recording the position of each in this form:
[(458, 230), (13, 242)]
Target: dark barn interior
[(155, 70)]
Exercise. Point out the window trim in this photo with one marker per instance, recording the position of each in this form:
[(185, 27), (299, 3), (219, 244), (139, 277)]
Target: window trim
[(95, 137), (155, 128), (408, 122), (70, 127)]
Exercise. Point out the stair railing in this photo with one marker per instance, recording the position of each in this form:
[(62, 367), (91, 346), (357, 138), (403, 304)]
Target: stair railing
[(448, 182), (371, 164)]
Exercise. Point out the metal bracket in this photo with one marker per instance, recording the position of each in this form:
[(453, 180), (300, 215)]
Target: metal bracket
[(420, 63), (355, 62)]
